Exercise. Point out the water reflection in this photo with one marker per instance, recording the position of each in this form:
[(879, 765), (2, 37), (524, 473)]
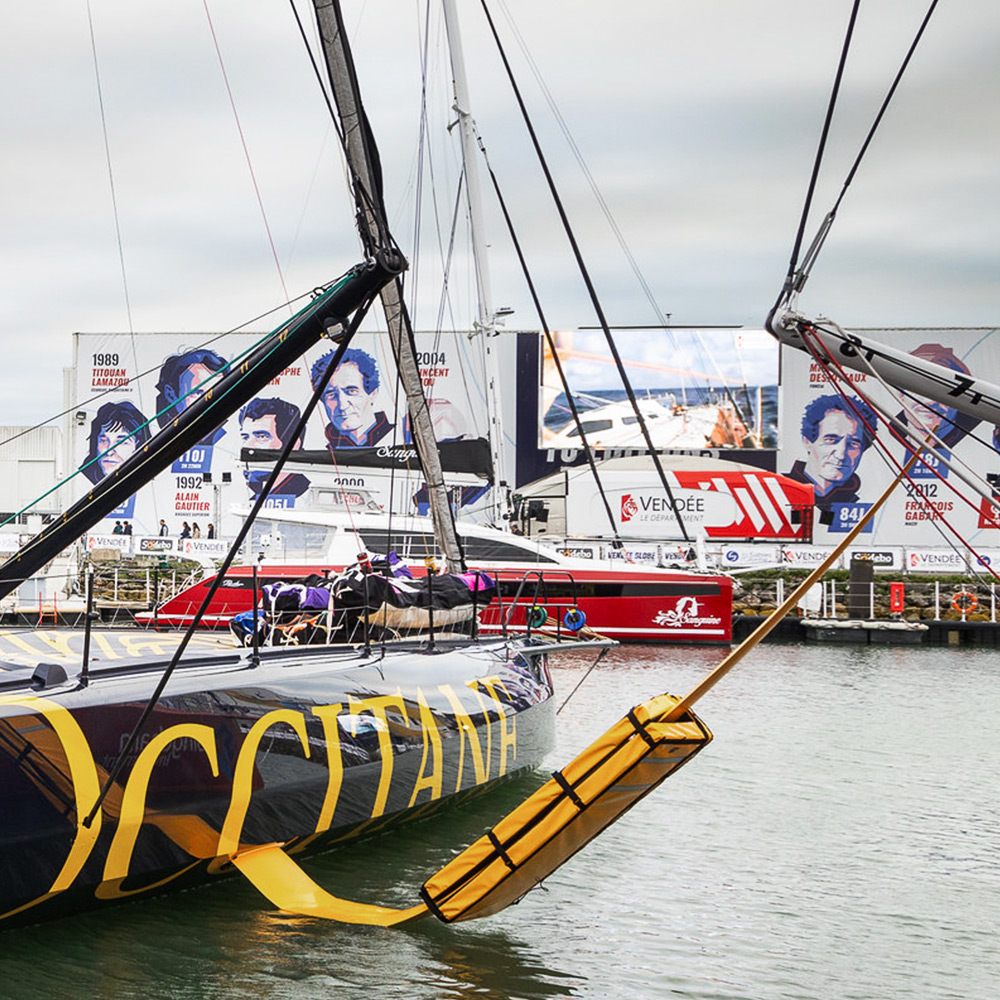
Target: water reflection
[(222, 942), (839, 838)]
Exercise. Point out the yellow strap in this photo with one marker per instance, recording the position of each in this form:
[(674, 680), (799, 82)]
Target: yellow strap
[(289, 888)]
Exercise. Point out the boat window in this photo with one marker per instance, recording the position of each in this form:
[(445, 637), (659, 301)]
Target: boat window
[(493, 550), (563, 589), (590, 427), (416, 545), (290, 542)]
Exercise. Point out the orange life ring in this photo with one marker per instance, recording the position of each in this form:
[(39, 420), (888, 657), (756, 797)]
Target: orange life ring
[(964, 601)]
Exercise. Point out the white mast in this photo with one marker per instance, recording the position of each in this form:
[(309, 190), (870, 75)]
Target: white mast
[(486, 322)]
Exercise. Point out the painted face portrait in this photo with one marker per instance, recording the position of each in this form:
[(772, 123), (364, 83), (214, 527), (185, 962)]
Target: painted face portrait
[(192, 384), (925, 414), (117, 431), (832, 458), (350, 408), (114, 445), (260, 433), (184, 378)]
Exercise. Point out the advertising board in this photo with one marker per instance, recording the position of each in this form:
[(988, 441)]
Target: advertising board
[(828, 443), (128, 386), (721, 504)]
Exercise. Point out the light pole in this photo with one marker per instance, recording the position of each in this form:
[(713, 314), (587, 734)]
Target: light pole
[(209, 480)]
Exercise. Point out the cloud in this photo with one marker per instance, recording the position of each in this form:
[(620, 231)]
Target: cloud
[(699, 122)]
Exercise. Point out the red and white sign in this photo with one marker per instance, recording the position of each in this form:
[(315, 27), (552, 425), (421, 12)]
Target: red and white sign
[(934, 561), (720, 503)]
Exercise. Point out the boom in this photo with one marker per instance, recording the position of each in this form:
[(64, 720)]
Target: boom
[(974, 396)]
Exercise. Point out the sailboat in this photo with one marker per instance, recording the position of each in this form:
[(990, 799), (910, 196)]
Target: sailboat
[(664, 597), (126, 776)]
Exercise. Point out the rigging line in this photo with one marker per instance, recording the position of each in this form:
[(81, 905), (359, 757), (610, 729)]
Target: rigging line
[(422, 403), (885, 104), (585, 274), (449, 255), (422, 153), (369, 203), (575, 149), (246, 150), (710, 680), (837, 373), (600, 656), (941, 522), (587, 450), (111, 185), (788, 287), (155, 368), (445, 252), (809, 260), (363, 197), (154, 698)]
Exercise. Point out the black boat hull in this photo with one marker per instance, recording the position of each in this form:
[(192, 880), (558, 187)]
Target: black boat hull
[(309, 747)]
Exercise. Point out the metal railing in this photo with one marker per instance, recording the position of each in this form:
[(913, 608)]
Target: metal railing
[(931, 600)]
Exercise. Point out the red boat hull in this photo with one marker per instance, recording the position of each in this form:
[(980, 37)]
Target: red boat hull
[(643, 606)]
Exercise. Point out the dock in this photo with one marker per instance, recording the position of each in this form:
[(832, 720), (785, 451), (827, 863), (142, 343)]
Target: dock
[(941, 632)]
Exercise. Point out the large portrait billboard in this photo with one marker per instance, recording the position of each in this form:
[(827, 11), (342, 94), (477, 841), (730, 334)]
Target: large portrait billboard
[(828, 442), (126, 387)]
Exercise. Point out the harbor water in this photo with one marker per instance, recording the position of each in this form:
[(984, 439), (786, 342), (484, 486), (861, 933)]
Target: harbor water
[(839, 838)]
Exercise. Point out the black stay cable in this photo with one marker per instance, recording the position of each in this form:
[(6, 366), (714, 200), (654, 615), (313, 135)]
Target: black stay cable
[(623, 375), (799, 274), (885, 105), (154, 698), (587, 450), (789, 285)]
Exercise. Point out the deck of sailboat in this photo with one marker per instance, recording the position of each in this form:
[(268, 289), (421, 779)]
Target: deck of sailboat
[(133, 653)]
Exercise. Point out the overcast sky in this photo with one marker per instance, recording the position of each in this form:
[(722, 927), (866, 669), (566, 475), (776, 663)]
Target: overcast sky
[(698, 121)]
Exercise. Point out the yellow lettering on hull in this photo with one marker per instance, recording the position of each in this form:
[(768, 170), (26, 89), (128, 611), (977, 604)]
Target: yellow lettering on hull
[(467, 733), (133, 809), (73, 754), (378, 706), (507, 723), (428, 780), (229, 839)]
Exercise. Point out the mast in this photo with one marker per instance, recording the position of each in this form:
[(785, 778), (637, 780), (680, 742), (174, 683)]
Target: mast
[(328, 312), (486, 325), (366, 179)]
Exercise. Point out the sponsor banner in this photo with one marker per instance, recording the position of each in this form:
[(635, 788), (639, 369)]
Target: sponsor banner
[(888, 558), (742, 556), (361, 415), (719, 504), (986, 557), (121, 542), (934, 561), (195, 548), (826, 442), (472, 456), (631, 552), (808, 556), (151, 545)]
